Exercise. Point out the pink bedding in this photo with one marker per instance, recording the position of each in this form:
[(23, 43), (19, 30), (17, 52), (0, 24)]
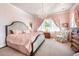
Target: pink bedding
[(22, 42), (34, 35)]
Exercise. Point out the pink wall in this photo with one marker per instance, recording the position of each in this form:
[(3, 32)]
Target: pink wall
[(10, 13), (60, 17), (36, 23), (77, 15), (66, 16), (75, 11)]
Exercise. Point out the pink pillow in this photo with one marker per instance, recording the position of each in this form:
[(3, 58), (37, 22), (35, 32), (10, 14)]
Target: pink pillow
[(27, 31)]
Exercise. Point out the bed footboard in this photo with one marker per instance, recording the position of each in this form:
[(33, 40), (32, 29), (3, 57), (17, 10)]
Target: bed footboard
[(37, 43)]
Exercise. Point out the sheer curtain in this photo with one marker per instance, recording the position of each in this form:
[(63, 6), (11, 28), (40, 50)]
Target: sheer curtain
[(51, 28), (72, 22)]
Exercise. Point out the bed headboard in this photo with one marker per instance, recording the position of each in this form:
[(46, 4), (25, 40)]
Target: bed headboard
[(16, 25)]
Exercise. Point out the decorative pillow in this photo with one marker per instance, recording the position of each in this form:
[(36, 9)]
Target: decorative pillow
[(62, 37), (17, 31), (26, 31), (11, 32)]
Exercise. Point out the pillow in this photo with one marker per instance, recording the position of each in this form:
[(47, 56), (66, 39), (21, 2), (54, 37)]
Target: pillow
[(11, 32), (28, 31), (17, 31)]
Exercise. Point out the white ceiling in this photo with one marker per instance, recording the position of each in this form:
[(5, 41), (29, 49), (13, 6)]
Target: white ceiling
[(43, 9)]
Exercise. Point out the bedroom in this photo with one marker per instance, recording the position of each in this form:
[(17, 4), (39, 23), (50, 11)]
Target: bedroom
[(51, 25)]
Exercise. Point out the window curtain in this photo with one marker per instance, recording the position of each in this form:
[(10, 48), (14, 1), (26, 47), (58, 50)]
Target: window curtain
[(51, 26), (73, 22)]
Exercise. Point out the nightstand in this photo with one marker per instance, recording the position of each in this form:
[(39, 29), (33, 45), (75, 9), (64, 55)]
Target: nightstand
[(47, 35)]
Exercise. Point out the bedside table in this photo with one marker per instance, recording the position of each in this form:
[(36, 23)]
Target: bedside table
[(47, 35)]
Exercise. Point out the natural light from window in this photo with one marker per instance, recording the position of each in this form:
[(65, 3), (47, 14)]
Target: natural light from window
[(72, 22), (48, 25)]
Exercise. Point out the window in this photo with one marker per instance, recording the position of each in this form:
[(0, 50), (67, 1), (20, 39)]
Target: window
[(72, 22), (48, 25)]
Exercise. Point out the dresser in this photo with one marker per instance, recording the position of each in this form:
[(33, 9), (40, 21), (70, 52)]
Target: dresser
[(47, 35), (75, 39)]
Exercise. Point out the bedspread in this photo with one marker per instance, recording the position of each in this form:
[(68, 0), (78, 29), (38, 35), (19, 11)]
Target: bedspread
[(34, 35), (22, 42)]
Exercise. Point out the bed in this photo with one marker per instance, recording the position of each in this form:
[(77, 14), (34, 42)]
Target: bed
[(20, 38)]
